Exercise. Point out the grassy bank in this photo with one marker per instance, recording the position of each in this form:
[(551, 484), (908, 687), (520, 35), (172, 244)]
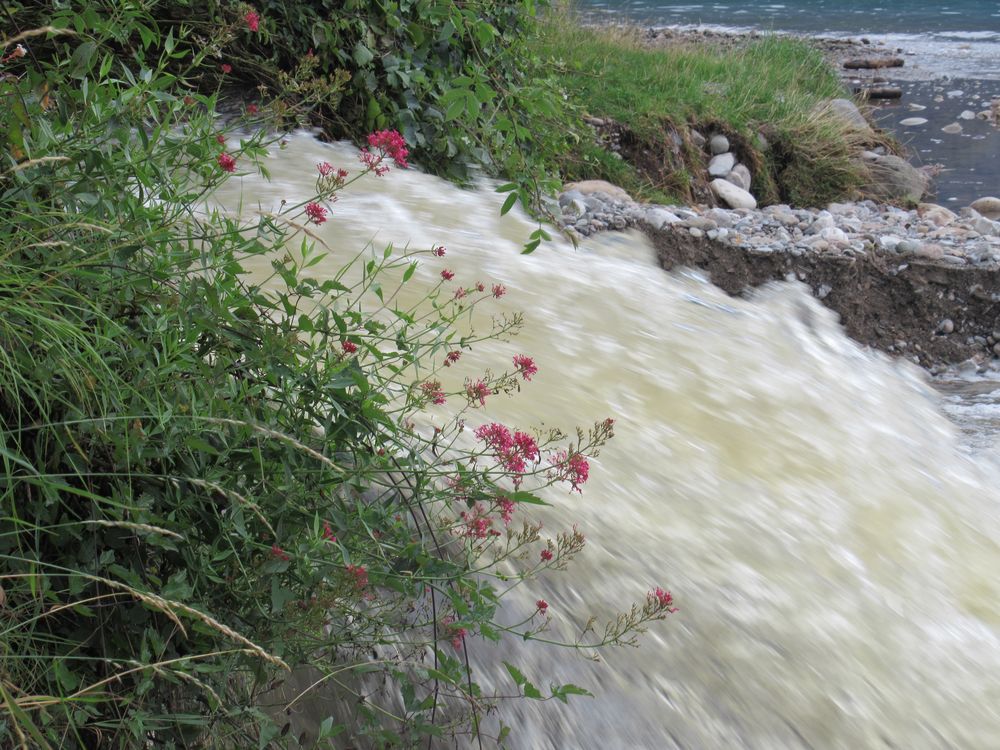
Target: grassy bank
[(773, 87)]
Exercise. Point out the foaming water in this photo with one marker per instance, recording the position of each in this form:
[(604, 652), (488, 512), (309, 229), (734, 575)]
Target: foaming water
[(831, 544)]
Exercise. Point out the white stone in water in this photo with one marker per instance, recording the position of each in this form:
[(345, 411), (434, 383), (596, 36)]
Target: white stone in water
[(967, 114), (721, 165), (731, 195), (952, 129), (916, 107), (910, 122), (955, 93)]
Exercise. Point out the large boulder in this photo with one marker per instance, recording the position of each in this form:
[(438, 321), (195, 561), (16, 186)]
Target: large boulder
[(988, 207), (586, 187), (847, 112), (893, 179), (731, 195)]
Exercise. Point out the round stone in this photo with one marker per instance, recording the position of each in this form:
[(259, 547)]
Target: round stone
[(719, 144)]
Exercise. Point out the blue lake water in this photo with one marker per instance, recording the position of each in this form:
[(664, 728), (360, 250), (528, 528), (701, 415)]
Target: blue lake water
[(980, 19)]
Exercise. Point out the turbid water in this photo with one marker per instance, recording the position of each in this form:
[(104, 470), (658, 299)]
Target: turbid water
[(828, 530)]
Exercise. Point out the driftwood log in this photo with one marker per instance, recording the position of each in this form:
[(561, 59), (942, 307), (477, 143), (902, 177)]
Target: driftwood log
[(879, 92), (869, 63)]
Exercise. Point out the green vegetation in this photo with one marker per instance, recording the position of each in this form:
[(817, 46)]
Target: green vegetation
[(772, 86), (210, 479)]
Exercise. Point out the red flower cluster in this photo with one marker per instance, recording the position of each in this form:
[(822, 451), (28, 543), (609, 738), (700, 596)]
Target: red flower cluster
[(455, 634), (574, 469), (439, 251), (432, 390), (460, 292), (360, 576), (660, 599), (385, 143), (227, 162), (252, 19), (546, 555), (478, 391), (325, 168), (220, 139), (226, 68), (278, 553), (513, 451), (525, 366), (447, 275), (542, 605), (478, 524), (252, 109), (451, 358), (507, 507), (316, 213), (349, 347), (499, 290), (391, 144), (328, 532)]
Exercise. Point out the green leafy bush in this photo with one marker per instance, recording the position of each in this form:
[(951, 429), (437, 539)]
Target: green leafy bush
[(209, 479)]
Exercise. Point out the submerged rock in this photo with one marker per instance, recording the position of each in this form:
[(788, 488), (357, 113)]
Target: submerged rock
[(894, 179), (988, 207)]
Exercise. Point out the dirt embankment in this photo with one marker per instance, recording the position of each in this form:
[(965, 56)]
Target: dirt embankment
[(938, 313)]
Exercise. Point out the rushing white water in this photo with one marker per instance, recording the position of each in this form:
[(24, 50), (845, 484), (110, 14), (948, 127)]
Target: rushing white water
[(831, 545)]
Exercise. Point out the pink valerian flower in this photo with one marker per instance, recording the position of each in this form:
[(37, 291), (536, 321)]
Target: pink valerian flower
[(316, 213), (220, 139), (546, 555), (447, 275), (328, 532), (477, 390), (278, 553), (390, 143), (451, 358), (373, 162), (513, 451), (460, 292), (499, 290), (507, 508), (574, 468), (432, 390), (226, 68), (227, 162), (660, 600), (525, 366), (349, 347), (542, 605), (439, 251), (252, 109), (477, 524), (325, 168), (252, 20), (359, 574), (480, 286), (454, 633)]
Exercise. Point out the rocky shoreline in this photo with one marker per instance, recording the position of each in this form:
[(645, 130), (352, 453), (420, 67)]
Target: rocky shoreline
[(922, 283)]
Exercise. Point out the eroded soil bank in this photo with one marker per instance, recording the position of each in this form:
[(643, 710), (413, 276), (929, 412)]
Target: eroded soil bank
[(933, 313)]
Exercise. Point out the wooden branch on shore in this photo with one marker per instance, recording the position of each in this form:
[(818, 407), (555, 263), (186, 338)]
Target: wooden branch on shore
[(879, 92), (870, 63)]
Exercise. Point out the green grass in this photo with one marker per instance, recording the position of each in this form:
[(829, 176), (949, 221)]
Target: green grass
[(772, 85)]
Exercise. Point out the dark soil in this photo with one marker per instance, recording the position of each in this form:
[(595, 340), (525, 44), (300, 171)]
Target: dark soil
[(890, 304)]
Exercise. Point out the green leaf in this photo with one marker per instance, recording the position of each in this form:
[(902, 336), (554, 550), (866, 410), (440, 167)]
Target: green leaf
[(454, 109), (522, 496), (409, 271), (362, 55), (508, 204), (515, 673), (530, 691)]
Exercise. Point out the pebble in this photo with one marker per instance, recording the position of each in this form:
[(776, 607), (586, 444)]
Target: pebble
[(910, 122), (967, 114), (952, 129), (721, 165)]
